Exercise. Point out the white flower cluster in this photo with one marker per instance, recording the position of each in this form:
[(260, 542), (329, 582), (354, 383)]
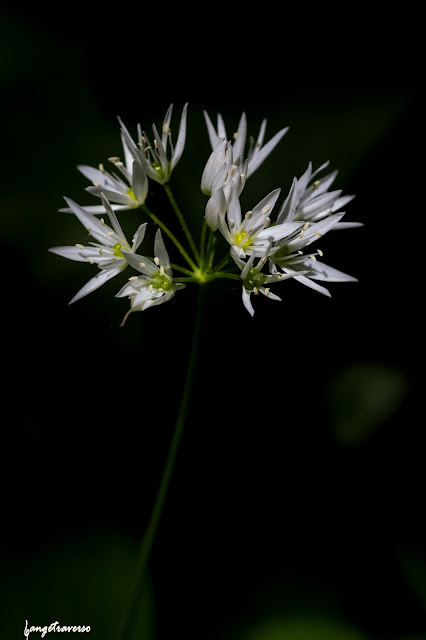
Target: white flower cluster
[(306, 214), (128, 190)]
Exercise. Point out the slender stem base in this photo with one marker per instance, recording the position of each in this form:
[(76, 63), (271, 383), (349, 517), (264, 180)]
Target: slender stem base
[(148, 539)]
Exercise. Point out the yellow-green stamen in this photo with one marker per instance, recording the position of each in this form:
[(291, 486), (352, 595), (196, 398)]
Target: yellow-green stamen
[(117, 250), (254, 279), (239, 237), (161, 281)]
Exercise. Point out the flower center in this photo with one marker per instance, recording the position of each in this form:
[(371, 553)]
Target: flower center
[(254, 279), (239, 237), (131, 194), (117, 250), (161, 281), (158, 168)]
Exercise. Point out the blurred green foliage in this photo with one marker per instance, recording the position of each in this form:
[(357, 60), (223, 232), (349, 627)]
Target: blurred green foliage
[(83, 579), (362, 397), (413, 562), (304, 627)]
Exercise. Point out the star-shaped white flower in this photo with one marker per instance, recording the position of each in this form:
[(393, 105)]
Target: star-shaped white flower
[(254, 280), (257, 152), (311, 201), (221, 168), (125, 191), (108, 250), (160, 157), (250, 235), (219, 174), (155, 286), (292, 258)]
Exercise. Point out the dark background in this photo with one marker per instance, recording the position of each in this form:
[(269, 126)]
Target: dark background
[(296, 505)]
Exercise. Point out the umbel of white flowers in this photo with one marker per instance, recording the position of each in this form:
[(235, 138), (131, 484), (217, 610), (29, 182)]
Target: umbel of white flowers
[(269, 236)]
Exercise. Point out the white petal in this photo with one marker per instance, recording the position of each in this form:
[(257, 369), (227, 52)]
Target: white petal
[(288, 208), (135, 261), (166, 126), (180, 143), (96, 282), (311, 284), (215, 207), (139, 182), (214, 138), (139, 236), (270, 295), (114, 196), (279, 231), (320, 271), (92, 224), (128, 156), (348, 225), (240, 141), (263, 208), (160, 250), (234, 207), (321, 203), (113, 218), (246, 301), (72, 253)]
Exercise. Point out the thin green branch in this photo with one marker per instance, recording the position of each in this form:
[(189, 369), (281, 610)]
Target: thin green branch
[(167, 231), (203, 243), (188, 279), (224, 274), (177, 267), (182, 221)]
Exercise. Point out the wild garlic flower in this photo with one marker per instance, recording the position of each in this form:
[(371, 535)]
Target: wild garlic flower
[(305, 267), (257, 152), (221, 168), (156, 285), (254, 280), (248, 235), (126, 191), (160, 157), (311, 201), (108, 250), (219, 174)]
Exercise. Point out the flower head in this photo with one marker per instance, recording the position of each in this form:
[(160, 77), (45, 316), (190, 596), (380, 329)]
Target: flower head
[(160, 157), (155, 286), (257, 152), (248, 235), (108, 250)]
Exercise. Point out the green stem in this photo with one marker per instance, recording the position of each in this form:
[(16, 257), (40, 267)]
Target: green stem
[(177, 267), (186, 279), (224, 274), (170, 235), (182, 221), (210, 251), (203, 243), (148, 539)]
